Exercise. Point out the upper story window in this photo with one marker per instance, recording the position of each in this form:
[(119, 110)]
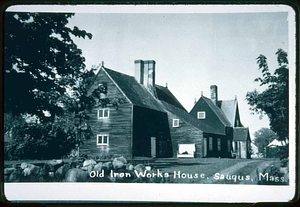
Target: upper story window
[(219, 144), (103, 113), (175, 122), (201, 115), (210, 143), (102, 139)]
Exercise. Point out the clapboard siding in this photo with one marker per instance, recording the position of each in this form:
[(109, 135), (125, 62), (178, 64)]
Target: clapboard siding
[(118, 125), (185, 134), (149, 123), (224, 146), (211, 118)]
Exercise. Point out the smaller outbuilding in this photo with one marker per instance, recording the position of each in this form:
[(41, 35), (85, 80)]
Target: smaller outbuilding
[(273, 149)]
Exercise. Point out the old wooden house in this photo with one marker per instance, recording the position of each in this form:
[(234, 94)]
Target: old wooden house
[(150, 122), (224, 117), (137, 127)]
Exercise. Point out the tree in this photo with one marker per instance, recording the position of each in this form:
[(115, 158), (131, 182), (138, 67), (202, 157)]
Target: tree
[(263, 137), (41, 62), (274, 100)]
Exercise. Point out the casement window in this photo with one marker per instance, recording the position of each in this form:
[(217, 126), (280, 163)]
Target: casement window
[(219, 144), (210, 143), (103, 113), (102, 139), (175, 122), (228, 145), (201, 115)]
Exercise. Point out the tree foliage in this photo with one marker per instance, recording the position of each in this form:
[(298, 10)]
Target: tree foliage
[(42, 141), (274, 100), (263, 137), (41, 62), (44, 71)]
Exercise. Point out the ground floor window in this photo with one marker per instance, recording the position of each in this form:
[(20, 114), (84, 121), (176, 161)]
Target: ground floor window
[(229, 145), (210, 144), (102, 139), (219, 144)]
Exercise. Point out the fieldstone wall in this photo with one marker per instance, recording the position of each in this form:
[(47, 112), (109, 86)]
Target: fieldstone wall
[(88, 170)]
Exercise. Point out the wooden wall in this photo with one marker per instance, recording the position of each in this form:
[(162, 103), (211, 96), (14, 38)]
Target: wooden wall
[(185, 134), (149, 123), (211, 118), (118, 125), (224, 146)]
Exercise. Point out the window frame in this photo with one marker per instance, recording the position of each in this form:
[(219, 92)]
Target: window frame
[(103, 112), (102, 140), (210, 144), (201, 112), (228, 145), (219, 144), (174, 120)]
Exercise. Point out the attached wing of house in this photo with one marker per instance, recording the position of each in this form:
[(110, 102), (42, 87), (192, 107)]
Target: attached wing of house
[(231, 110), (224, 117)]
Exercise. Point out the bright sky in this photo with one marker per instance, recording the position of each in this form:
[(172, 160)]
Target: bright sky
[(192, 50)]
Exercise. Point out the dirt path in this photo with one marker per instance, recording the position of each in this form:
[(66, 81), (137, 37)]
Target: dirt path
[(259, 168), (240, 173)]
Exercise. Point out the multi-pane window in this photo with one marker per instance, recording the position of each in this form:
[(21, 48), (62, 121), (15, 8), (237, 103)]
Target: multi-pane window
[(201, 115), (175, 122), (229, 145), (210, 143), (219, 144), (102, 139), (103, 113)]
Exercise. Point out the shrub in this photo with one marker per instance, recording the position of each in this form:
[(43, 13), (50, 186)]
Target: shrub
[(40, 141)]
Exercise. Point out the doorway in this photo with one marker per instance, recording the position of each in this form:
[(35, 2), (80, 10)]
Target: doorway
[(205, 147)]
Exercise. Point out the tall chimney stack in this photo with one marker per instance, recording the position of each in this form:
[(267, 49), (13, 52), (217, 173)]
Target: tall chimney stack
[(214, 94), (145, 74)]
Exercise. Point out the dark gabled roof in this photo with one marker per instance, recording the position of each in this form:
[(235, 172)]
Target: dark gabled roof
[(135, 92), (164, 94), (241, 134), (185, 116), (219, 113), (230, 109)]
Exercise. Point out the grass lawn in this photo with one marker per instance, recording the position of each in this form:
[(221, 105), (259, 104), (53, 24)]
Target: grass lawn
[(191, 167)]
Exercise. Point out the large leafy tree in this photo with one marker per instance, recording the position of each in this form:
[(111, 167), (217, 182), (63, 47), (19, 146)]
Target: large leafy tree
[(274, 100), (44, 71), (41, 62), (263, 137)]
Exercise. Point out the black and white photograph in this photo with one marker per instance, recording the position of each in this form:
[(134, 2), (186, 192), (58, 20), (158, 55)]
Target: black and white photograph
[(149, 103)]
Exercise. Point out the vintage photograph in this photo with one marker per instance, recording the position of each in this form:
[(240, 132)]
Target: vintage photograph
[(149, 95)]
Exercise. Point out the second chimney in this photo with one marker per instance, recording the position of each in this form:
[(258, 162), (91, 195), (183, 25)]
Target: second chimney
[(214, 94)]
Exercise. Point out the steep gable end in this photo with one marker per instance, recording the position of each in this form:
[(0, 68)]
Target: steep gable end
[(113, 90), (214, 117), (218, 112)]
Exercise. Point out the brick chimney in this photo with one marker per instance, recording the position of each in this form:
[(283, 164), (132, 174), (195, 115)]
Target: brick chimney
[(145, 74), (214, 94)]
